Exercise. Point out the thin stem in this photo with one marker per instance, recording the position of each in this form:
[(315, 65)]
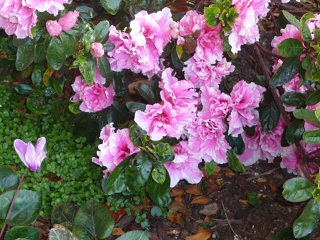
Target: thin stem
[(12, 203)]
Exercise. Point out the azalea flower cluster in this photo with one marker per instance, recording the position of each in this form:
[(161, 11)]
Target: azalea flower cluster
[(192, 110), (19, 16)]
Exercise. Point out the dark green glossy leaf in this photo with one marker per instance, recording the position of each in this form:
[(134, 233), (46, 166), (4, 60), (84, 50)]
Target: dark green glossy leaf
[(41, 50), (304, 28), (209, 167), (58, 85), (25, 55), (293, 98), (236, 143), (286, 72), (135, 133), (37, 75), (25, 210), (135, 106), (69, 44), (86, 12), (101, 31), (111, 6), (159, 173), (312, 136), (56, 53), (234, 162), (108, 46), (9, 179), (116, 182), (295, 131), (135, 235), (63, 213), (177, 63), (146, 92), (59, 232), (104, 67), (22, 232), (23, 89), (163, 151), (306, 114), (211, 15), (314, 98), (156, 211), (287, 234), (159, 193), (268, 113), (297, 189), (307, 221), (290, 47), (291, 18), (93, 221)]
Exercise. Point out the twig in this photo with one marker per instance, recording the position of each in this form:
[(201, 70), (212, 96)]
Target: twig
[(224, 209), (263, 174)]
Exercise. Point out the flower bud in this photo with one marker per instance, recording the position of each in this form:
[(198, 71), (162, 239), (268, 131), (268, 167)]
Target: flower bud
[(53, 27), (97, 49), (68, 20)]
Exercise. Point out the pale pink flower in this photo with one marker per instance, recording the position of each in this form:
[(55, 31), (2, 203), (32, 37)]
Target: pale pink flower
[(207, 140), (246, 98), (174, 29), (16, 18), (97, 49), (53, 28), (115, 147), (50, 6), (184, 165), (78, 86), (160, 120), (68, 20), (180, 94), (32, 156), (190, 23)]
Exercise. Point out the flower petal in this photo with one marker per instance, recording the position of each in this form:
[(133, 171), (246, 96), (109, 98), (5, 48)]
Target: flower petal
[(21, 149)]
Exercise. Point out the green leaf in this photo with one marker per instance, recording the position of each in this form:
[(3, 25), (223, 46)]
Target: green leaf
[(211, 15), (93, 221), (22, 232), (312, 136), (253, 198), (86, 12), (58, 85), (159, 173), (111, 6), (297, 189), (25, 210), (136, 133), (317, 113), (163, 151), (291, 18), (25, 55), (236, 143), (56, 53), (116, 182), (314, 98), (287, 234), (286, 72), (295, 131), (40, 51), (9, 179), (306, 114), (135, 235), (23, 89), (59, 232), (159, 193), (234, 162), (290, 47), (63, 213), (269, 113), (69, 44), (135, 106), (307, 221), (37, 104), (209, 167), (304, 28), (146, 92), (101, 31), (293, 98), (104, 67)]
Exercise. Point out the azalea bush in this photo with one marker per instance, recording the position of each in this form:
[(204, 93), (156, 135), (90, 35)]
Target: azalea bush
[(157, 84)]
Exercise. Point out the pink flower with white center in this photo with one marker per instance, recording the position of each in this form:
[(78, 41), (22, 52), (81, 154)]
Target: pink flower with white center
[(32, 156), (16, 18), (190, 23), (115, 147), (97, 49), (216, 105), (68, 20), (207, 139), (96, 97), (160, 120), (206, 50), (245, 28), (53, 28), (50, 6), (180, 94), (184, 165), (246, 98)]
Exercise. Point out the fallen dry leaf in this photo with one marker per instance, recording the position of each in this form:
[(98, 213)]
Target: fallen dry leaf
[(274, 188), (117, 232), (202, 234), (194, 190), (177, 206), (201, 200), (229, 174), (261, 180), (176, 218), (209, 209), (177, 192), (245, 201)]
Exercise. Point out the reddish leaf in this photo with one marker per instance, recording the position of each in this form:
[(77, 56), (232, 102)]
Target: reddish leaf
[(203, 200)]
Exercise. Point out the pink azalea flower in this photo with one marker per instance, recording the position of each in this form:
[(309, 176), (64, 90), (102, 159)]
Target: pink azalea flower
[(207, 140), (161, 120), (115, 147), (190, 23), (16, 18), (32, 156), (180, 94), (50, 6), (184, 165), (53, 28), (68, 20), (246, 98), (97, 49), (78, 87)]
